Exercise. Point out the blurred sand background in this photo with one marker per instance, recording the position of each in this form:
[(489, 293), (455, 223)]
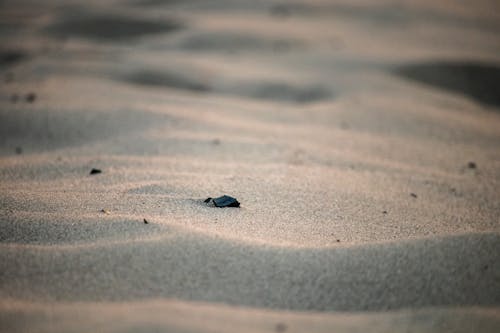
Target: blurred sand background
[(362, 139)]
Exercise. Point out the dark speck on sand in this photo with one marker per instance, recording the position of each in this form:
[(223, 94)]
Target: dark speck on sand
[(31, 97), (471, 165), (95, 171)]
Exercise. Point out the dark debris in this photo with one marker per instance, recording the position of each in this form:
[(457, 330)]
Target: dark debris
[(223, 201), (30, 97), (471, 165), (95, 171), (226, 201)]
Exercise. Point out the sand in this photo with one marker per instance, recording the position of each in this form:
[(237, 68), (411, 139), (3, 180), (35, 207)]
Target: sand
[(361, 140)]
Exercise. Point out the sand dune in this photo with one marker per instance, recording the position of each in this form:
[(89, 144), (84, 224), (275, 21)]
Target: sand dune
[(361, 140)]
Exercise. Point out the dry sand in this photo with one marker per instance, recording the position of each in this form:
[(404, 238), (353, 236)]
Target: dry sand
[(362, 141)]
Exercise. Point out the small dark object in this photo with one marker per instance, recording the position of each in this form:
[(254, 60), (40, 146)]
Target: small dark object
[(280, 327), (95, 171), (207, 200), (145, 221), (30, 98), (384, 212), (104, 211), (413, 195), (226, 201), (338, 240), (471, 165), (19, 150)]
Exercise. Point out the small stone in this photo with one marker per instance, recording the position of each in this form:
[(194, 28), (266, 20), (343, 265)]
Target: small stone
[(413, 195), (384, 212), (145, 221), (95, 171), (104, 211), (226, 201), (338, 240), (471, 165)]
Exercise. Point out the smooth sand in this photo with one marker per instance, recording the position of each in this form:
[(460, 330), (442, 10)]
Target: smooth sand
[(361, 140)]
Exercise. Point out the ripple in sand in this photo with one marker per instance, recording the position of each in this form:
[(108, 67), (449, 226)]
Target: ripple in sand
[(408, 274), (282, 91), (58, 231), (227, 42), (111, 27), (39, 129), (166, 79)]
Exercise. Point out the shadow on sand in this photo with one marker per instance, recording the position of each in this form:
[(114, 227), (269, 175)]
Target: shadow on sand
[(479, 81), (110, 27)]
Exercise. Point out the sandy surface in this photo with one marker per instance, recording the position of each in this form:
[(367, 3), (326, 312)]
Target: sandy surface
[(362, 141)]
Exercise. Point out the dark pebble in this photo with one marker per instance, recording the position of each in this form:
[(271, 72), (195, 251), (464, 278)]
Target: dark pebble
[(384, 212), (95, 171), (338, 240), (471, 165), (226, 201), (145, 221), (413, 195)]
